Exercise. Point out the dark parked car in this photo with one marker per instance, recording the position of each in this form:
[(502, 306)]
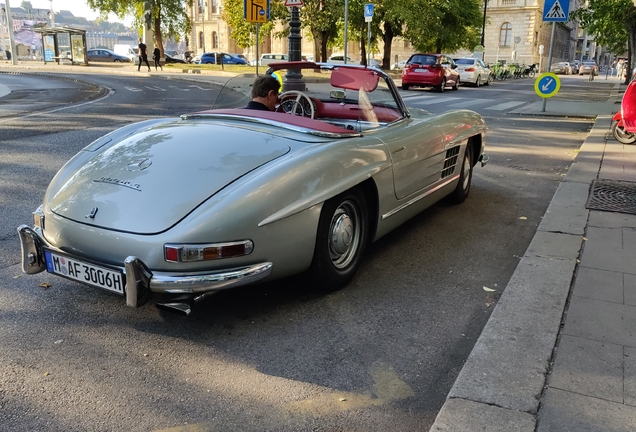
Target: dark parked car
[(430, 70), (104, 55), (170, 59), (212, 57)]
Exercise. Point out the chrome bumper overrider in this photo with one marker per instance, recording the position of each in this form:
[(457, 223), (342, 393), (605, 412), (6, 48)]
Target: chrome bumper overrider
[(140, 281)]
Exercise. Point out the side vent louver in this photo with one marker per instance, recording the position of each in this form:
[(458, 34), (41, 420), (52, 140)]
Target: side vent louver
[(450, 162)]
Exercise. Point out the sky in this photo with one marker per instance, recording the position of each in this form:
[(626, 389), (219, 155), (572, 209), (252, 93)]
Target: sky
[(79, 8)]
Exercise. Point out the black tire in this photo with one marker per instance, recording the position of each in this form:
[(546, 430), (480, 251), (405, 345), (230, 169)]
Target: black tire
[(340, 241), (116, 61), (621, 135), (531, 74), (491, 78), (456, 86), (477, 83), (405, 86), (462, 190), (442, 86)]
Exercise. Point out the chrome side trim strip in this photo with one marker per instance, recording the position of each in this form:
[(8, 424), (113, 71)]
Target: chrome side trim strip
[(417, 198)]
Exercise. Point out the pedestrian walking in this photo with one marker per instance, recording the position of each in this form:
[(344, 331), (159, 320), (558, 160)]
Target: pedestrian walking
[(619, 68), (613, 68), (143, 55), (156, 56)]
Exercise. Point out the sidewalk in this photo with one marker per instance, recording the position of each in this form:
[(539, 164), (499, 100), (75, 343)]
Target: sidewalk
[(559, 351)]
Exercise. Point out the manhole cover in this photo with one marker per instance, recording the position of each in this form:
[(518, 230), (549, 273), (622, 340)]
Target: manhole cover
[(613, 196)]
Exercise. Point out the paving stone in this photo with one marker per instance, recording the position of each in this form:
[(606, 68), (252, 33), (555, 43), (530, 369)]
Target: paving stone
[(461, 415), (629, 289), (604, 251), (600, 285), (601, 321), (589, 367), (562, 411), (629, 381), (566, 212), (548, 244), (603, 219)]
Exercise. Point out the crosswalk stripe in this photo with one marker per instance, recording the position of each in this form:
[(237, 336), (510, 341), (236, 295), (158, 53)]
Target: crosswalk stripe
[(503, 106), (468, 103), (435, 100)]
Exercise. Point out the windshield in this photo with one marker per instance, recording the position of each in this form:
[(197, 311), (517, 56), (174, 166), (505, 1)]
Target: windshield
[(465, 61), (347, 96)]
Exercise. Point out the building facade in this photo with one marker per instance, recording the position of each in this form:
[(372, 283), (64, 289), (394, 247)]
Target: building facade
[(514, 33)]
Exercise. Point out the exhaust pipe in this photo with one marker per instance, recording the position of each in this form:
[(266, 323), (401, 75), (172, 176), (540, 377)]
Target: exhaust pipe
[(183, 304)]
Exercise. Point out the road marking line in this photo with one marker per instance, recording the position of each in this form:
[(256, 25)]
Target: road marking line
[(503, 106), (437, 100), (468, 103), (4, 90)]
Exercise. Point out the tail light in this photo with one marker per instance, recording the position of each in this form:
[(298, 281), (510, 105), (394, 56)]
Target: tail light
[(206, 252), (472, 69)]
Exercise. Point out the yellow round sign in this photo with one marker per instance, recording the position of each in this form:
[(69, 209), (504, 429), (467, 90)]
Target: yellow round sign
[(547, 85), (278, 77)]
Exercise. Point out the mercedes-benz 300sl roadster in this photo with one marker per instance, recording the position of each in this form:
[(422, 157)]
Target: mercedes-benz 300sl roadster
[(231, 196)]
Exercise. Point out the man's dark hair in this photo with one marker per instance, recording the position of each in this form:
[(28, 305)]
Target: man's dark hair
[(263, 84)]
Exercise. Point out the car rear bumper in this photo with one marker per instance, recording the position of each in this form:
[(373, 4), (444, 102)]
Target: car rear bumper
[(141, 282), (422, 79)]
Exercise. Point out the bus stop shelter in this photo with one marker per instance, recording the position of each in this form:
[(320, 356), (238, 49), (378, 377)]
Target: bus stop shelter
[(64, 44)]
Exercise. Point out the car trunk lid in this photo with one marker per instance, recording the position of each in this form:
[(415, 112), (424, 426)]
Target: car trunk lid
[(149, 181)]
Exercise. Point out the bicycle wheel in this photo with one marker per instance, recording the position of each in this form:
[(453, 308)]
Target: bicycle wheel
[(531, 74)]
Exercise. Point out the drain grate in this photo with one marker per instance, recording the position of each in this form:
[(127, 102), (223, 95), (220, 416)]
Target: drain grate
[(613, 196)]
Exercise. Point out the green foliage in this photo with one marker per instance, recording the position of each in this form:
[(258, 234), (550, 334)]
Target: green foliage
[(609, 21), (170, 16), (243, 32)]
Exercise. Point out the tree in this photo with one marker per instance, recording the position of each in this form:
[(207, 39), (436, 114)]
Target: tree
[(613, 25), (244, 32), (26, 5), (170, 18)]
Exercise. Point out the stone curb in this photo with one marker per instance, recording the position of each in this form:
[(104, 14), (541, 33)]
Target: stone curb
[(501, 384)]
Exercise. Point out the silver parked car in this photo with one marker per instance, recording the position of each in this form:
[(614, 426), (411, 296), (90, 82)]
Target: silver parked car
[(105, 55), (217, 199), (473, 71)]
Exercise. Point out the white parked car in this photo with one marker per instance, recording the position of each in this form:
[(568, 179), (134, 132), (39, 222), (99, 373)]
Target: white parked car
[(339, 59), (399, 65), (473, 71)]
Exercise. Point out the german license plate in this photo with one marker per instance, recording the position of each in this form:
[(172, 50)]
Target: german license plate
[(81, 271), (420, 70)]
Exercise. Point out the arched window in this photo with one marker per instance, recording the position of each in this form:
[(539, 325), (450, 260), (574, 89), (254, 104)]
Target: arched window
[(201, 40), (505, 35), (215, 40)]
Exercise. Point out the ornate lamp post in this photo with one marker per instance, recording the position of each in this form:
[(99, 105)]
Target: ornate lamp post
[(293, 78), (483, 28)]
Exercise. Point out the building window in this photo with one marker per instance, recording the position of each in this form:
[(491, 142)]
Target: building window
[(215, 40), (505, 35), (215, 7), (201, 40)]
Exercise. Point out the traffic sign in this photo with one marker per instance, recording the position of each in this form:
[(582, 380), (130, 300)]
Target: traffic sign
[(556, 10), (547, 85), (297, 3), (256, 11), (368, 12)]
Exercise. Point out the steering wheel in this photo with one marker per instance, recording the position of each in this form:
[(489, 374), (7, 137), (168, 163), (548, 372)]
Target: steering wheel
[(296, 103)]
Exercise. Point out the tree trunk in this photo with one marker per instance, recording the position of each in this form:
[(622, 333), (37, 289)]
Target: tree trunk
[(388, 40), (363, 46), (157, 25), (323, 46)]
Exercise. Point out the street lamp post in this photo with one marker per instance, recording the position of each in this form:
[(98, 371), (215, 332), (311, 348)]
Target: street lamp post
[(294, 78), (483, 28), (203, 23)]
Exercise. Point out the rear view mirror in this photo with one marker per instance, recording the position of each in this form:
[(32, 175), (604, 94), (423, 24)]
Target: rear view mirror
[(337, 94)]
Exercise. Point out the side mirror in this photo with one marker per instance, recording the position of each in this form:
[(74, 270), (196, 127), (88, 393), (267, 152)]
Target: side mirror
[(337, 94), (454, 66)]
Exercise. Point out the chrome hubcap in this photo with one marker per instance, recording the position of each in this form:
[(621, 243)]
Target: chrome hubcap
[(466, 172), (344, 237)]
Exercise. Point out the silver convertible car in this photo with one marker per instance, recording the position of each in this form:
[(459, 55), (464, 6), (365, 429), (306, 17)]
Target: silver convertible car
[(217, 199)]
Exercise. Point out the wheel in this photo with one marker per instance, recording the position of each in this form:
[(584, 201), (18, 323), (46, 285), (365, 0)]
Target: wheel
[(340, 241), (295, 104), (405, 86), (460, 193), (491, 78), (442, 86), (477, 82), (456, 86), (116, 61), (621, 135), (531, 74)]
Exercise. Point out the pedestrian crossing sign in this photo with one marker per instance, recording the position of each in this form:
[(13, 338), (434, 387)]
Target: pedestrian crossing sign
[(556, 10)]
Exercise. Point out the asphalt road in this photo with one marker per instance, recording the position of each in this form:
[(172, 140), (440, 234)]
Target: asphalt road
[(379, 355)]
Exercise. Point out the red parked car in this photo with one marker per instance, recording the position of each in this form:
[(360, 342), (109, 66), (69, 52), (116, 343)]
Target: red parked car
[(430, 70)]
